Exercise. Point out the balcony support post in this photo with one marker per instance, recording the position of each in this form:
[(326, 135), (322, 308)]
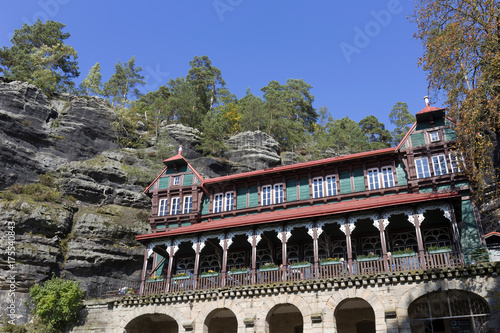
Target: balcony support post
[(315, 249), (349, 247), (196, 263), (170, 265), (420, 241), (144, 268), (383, 242), (254, 258), (224, 261)]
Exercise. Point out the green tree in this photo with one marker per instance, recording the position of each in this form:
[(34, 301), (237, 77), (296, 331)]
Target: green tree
[(57, 302), (181, 103), (206, 81), (378, 136), (155, 108), (462, 59), (38, 55), (345, 136), (251, 109), (402, 119), (288, 111), (124, 81), (212, 137), (92, 85)]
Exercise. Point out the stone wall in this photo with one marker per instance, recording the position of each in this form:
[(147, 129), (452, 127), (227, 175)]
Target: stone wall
[(254, 307)]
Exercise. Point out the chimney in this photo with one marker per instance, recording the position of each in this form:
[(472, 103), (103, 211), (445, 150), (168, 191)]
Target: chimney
[(426, 99), (180, 150)]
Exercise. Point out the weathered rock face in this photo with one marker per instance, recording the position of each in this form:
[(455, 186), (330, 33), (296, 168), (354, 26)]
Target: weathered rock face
[(253, 151), (38, 135)]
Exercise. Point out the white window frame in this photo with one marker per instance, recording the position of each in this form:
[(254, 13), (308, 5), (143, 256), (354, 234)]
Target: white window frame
[(176, 180), (423, 170), (330, 185), (218, 203), (187, 206), (387, 171), (373, 178), (228, 201), (318, 189), (163, 207), (266, 197), (434, 136), (175, 206), (278, 193), (455, 159), (439, 164)]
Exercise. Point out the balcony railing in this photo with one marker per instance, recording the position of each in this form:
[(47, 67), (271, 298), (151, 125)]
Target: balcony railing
[(283, 274)]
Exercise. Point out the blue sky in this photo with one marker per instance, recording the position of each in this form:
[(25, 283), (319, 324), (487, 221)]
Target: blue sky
[(359, 56)]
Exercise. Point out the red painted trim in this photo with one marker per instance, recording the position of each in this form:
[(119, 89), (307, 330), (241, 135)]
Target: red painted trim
[(406, 136), (302, 213), (302, 165)]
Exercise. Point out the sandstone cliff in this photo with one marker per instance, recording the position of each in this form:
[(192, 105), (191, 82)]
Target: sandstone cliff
[(75, 198)]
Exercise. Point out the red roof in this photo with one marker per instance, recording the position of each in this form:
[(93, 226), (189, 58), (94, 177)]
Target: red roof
[(302, 165), (493, 233), (303, 212), (169, 162), (429, 108)]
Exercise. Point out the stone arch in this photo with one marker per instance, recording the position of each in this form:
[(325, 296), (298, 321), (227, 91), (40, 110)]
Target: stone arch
[(220, 320), (284, 318), (422, 289), (152, 323), (376, 303), (270, 302), (355, 315), (211, 308)]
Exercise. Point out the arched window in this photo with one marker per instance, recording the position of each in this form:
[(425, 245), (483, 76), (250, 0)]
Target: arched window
[(449, 311)]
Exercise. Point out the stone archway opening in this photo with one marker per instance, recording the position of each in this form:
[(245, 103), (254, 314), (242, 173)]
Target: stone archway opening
[(449, 311), (284, 318), (221, 321), (355, 315), (152, 323)]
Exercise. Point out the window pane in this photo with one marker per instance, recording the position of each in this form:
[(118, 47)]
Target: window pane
[(278, 193), (422, 165), (175, 206), (318, 187), (188, 205), (439, 164), (162, 209), (331, 185), (387, 177), (229, 201), (218, 203), (373, 182), (266, 195)]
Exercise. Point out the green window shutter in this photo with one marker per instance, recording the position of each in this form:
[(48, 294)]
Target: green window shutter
[(160, 262), (417, 140), (345, 182), (469, 235), (359, 180), (188, 179), (291, 190), (205, 204), (401, 173), (163, 183), (253, 196), (304, 188), (450, 134), (241, 197)]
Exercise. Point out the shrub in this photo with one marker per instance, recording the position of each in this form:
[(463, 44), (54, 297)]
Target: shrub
[(57, 302)]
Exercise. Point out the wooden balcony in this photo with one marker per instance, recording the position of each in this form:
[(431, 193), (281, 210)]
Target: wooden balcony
[(284, 275)]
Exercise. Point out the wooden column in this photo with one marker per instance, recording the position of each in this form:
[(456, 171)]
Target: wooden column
[(315, 249), (457, 247), (284, 257), (170, 265), (144, 269), (196, 263), (383, 243), (254, 257), (420, 241), (349, 246), (224, 261)]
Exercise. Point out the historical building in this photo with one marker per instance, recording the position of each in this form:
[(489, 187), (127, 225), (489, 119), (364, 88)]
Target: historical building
[(380, 241)]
